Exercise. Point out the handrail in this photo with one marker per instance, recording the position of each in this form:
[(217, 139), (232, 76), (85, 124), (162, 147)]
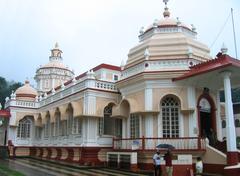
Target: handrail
[(143, 143)]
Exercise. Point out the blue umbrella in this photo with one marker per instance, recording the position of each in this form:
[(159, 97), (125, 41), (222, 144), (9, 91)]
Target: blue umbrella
[(165, 146)]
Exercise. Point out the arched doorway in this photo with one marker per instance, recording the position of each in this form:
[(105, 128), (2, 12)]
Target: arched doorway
[(206, 115)]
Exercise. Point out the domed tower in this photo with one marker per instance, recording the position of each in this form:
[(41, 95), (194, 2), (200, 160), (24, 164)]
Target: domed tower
[(168, 39), (26, 92), (53, 73)]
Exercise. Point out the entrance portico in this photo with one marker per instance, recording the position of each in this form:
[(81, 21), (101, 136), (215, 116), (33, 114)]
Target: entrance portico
[(214, 75)]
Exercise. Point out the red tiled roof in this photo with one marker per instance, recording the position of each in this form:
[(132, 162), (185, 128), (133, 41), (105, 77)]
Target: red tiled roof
[(107, 66), (5, 113), (222, 61)]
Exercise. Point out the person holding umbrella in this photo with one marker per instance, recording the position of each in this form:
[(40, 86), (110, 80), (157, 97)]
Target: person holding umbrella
[(157, 163), (168, 160)]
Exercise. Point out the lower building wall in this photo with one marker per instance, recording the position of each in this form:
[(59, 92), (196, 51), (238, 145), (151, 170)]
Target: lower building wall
[(178, 170), (214, 168), (24, 151), (98, 155), (81, 155)]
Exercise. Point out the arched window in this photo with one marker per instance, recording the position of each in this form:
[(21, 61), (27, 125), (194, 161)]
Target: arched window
[(106, 124), (223, 123), (170, 117), (24, 128)]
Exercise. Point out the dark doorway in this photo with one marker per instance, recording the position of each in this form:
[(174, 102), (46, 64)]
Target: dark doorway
[(5, 138), (206, 124)]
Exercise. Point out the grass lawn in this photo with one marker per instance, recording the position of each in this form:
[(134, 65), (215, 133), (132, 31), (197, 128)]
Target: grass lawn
[(4, 170)]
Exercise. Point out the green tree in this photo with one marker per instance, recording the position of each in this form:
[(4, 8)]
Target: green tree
[(6, 88), (3, 90)]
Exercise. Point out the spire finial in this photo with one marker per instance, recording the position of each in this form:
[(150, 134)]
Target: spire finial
[(224, 49), (56, 45), (165, 1), (26, 80), (166, 13)]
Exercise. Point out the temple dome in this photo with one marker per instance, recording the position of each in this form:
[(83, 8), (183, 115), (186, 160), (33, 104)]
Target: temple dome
[(168, 39), (54, 73), (26, 92)]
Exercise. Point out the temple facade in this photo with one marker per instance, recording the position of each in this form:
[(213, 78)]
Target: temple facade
[(166, 93)]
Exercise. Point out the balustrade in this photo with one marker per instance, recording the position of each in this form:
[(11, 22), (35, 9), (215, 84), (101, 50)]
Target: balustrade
[(188, 143)]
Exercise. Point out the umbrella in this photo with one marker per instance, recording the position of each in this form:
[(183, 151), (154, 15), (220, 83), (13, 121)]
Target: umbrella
[(165, 146)]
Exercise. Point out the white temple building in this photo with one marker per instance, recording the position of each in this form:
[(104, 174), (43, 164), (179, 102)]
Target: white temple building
[(166, 93)]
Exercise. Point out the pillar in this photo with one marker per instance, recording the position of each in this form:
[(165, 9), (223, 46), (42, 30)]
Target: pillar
[(193, 123), (232, 153), (148, 123), (218, 119)]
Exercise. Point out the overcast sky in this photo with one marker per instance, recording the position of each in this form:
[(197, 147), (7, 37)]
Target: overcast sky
[(91, 32)]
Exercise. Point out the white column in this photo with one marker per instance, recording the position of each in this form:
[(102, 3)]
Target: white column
[(124, 128), (181, 125), (148, 99), (85, 130), (12, 134), (128, 127), (218, 118), (140, 125), (148, 122), (191, 93), (230, 128), (89, 107), (160, 127), (92, 131), (148, 125)]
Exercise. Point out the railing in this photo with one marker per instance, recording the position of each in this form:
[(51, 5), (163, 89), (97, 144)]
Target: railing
[(77, 87), (21, 103), (185, 143), (105, 85), (62, 93)]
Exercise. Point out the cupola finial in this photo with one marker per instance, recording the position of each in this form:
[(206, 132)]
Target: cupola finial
[(165, 1), (224, 49), (56, 45), (166, 13)]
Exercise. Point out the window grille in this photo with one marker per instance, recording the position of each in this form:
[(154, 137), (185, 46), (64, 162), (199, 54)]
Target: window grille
[(170, 117), (134, 126)]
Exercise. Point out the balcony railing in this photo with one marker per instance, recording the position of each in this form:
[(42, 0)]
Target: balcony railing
[(184, 143)]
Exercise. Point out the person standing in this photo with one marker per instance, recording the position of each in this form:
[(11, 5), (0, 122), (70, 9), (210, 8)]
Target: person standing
[(157, 163), (199, 166), (168, 160)]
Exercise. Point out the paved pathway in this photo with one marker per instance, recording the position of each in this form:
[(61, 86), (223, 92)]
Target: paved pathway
[(33, 167)]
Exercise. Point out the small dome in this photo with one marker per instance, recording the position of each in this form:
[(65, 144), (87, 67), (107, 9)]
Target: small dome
[(26, 92)]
